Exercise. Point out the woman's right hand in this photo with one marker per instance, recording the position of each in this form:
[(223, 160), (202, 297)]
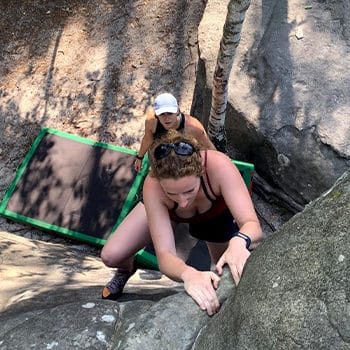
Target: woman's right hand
[(201, 286), (138, 164)]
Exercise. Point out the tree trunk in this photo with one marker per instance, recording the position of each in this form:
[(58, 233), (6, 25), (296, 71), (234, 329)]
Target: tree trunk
[(229, 42)]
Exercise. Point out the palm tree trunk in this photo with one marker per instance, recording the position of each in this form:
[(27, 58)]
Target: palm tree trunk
[(228, 45)]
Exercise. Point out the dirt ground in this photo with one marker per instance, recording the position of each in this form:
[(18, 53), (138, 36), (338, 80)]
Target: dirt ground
[(90, 68)]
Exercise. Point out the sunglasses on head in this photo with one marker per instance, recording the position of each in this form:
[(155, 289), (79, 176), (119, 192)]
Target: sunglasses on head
[(181, 148)]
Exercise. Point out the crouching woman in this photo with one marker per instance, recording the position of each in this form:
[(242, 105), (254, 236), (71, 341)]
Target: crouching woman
[(205, 189)]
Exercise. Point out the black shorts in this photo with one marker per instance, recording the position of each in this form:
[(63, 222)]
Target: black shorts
[(217, 230)]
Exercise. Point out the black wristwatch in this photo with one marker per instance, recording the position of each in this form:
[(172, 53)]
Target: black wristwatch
[(138, 157), (245, 237)]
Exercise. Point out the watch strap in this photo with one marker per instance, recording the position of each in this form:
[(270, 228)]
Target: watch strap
[(245, 237)]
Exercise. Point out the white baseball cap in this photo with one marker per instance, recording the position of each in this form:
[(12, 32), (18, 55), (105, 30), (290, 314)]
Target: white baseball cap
[(165, 103)]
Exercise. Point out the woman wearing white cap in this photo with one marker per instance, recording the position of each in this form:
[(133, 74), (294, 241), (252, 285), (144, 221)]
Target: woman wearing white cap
[(167, 116)]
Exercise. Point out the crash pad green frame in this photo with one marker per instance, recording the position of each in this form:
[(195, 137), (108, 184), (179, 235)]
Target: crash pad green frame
[(247, 171), (129, 203)]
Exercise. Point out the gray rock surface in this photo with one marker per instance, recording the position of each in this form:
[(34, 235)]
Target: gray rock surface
[(289, 91), (50, 296), (292, 295), (172, 323), (295, 287), (73, 325)]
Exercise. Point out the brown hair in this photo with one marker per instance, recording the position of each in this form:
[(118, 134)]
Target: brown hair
[(175, 166)]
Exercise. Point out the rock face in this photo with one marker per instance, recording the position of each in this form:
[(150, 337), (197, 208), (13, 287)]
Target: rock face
[(294, 293), (289, 91), (50, 297), (172, 323)]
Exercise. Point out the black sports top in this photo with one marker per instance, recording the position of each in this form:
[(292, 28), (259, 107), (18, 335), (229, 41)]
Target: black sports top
[(160, 130)]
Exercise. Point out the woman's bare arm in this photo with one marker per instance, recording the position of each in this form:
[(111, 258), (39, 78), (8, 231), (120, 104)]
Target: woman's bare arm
[(200, 285), (161, 229), (146, 141), (196, 129), (227, 181)]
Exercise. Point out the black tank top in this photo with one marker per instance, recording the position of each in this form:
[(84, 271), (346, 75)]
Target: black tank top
[(160, 130)]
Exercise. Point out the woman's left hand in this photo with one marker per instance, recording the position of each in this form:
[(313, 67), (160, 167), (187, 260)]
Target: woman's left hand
[(201, 286), (235, 256)]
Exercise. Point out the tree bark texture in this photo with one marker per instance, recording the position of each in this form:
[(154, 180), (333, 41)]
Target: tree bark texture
[(236, 11)]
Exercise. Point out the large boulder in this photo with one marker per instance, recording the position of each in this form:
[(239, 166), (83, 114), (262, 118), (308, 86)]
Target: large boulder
[(289, 91), (294, 293)]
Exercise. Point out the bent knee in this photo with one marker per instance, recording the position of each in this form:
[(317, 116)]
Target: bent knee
[(109, 258)]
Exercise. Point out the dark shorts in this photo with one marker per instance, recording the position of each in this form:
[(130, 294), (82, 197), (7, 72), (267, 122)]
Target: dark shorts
[(217, 230)]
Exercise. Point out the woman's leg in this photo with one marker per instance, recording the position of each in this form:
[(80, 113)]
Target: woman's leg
[(130, 236)]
